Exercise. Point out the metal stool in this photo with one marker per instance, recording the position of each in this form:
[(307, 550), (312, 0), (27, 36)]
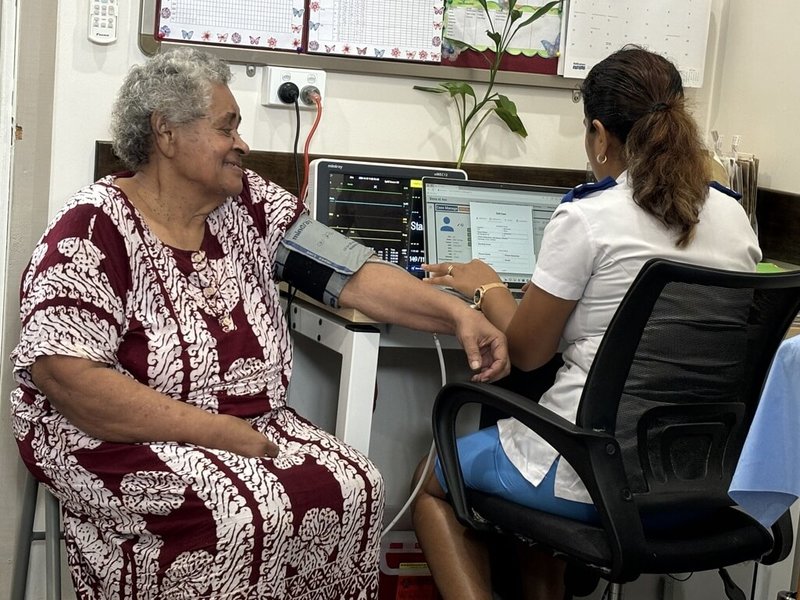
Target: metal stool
[(52, 539)]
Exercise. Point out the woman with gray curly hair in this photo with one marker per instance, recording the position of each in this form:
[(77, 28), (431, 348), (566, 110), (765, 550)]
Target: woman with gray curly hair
[(154, 361)]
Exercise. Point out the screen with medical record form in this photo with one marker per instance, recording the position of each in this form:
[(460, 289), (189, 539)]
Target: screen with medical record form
[(499, 223)]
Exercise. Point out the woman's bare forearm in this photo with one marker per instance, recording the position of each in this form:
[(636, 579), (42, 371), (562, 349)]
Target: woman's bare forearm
[(113, 407)]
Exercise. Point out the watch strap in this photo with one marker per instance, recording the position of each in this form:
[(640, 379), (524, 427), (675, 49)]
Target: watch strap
[(480, 292)]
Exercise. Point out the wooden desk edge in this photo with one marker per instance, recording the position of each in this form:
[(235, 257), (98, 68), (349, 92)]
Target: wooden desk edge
[(348, 314)]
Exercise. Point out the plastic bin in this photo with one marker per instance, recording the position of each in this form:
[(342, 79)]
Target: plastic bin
[(404, 574)]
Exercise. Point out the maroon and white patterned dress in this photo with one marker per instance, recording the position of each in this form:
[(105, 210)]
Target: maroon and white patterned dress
[(168, 520)]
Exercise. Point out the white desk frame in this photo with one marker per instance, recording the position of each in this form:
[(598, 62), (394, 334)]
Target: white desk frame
[(358, 344)]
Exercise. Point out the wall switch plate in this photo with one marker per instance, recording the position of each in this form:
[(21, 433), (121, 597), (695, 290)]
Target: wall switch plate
[(304, 79)]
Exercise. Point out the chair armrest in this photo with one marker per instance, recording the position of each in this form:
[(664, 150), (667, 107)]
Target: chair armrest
[(783, 536), (595, 456)]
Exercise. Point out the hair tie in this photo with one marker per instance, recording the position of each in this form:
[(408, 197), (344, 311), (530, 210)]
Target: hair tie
[(659, 107)]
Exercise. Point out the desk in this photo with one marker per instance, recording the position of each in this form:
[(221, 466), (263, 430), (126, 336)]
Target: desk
[(358, 341)]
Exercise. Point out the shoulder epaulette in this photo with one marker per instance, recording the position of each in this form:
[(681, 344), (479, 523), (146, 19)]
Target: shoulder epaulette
[(725, 190), (585, 189)]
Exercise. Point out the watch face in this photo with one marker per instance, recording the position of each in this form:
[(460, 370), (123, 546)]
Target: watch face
[(476, 298)]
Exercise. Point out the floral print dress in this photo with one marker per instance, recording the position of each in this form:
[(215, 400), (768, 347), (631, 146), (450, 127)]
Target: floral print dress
[(169, 520)]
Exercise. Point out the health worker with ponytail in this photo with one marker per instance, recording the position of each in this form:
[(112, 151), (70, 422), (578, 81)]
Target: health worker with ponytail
[(653, 198)]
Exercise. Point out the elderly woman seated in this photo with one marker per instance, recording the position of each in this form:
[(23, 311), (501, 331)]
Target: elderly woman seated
[(154, 359)]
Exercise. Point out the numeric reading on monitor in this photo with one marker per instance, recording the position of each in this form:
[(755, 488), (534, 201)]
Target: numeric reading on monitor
[(375, 211)]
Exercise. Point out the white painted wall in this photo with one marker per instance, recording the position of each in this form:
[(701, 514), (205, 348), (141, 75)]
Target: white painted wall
[(381, 116), (758, 95)]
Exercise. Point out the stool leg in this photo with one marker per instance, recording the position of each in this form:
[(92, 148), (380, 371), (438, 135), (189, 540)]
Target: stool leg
[(22, 554), (52, 516)]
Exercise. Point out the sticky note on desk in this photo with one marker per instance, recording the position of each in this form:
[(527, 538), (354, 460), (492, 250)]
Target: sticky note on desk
[(768, 267)]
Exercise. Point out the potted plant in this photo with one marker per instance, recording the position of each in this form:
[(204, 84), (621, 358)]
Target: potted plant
[(470, 110)]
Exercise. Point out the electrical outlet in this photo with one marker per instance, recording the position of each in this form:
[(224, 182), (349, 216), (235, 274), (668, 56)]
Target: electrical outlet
[(274, 77)]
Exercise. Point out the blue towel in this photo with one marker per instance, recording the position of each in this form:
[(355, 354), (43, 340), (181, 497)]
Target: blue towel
[(767, 478)]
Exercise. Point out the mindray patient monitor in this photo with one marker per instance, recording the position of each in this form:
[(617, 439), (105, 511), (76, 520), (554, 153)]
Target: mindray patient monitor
[(377, 204)]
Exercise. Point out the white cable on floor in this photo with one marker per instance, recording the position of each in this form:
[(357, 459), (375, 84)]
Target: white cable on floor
[(431, 452)]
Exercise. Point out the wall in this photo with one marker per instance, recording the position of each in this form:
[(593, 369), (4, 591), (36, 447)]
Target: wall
[(366, 116), (28, 217), (363, 115), (758, 96)]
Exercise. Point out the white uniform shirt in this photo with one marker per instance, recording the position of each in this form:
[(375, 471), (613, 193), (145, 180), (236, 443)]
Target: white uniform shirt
[(592, 250)]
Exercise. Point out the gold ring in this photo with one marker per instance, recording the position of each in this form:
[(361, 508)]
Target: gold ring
[(450, 270)]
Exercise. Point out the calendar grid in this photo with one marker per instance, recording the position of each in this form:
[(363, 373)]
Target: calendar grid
[(268, 23), (391, 29)]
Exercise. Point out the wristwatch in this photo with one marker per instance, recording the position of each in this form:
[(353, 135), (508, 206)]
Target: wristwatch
[(477, 298)]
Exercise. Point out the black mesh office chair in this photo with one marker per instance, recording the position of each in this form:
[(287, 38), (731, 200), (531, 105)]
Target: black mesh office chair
[(664, 413)]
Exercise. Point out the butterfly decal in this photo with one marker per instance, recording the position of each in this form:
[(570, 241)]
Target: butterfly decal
[(362, 51), (222, 37), (379, 53), (313, 26), (439, 10), (187, 35), (411, 55), (330, 48), (552, 49), (255, 40), (298, 12), (295, 28)]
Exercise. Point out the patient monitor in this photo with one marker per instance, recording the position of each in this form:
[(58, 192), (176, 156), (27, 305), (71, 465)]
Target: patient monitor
[(376, 204)]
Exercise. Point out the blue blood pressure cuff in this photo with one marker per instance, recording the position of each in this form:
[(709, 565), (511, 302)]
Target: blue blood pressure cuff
[(318, 260)]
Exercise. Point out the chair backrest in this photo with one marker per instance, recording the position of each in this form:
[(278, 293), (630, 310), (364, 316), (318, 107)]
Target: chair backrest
[(678, 376)]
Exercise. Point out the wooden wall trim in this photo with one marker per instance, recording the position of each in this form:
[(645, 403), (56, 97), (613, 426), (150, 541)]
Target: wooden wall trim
[(778, 213), (279, 167)]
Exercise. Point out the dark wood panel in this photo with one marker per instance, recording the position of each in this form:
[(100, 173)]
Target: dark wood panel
[(280, 168), (778, 215), (778, 212)]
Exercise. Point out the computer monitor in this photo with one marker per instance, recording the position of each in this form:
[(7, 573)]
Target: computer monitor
[(500, 223), (378, 204)]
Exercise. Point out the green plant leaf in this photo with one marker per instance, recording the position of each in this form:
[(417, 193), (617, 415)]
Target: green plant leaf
[(458, 88), (482, 3), (541, 11), (434, 90), (507, 111), (515, 15), (496, 37)]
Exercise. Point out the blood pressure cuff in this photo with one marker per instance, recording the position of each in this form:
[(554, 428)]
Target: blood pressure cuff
[(318, 260)]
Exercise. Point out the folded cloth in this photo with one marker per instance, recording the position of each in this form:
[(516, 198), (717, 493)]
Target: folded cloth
[(767, 477)]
